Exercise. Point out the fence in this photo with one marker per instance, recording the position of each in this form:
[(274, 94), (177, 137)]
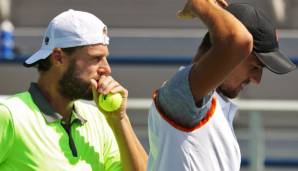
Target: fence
[(257, 159)]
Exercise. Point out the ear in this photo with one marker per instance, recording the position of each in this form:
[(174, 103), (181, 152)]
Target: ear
[(57, 57)]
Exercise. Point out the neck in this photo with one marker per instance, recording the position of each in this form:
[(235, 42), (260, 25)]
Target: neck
[(58, 102)]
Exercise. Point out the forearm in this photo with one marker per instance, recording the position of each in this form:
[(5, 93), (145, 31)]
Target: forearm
[(224, 28), (133, 155), (231, 44)]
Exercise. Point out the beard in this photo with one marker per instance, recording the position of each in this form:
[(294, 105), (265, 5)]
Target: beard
[(228, 91), (72, 86)]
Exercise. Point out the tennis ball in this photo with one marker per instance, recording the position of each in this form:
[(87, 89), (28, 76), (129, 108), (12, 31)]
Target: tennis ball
[(110, 102)]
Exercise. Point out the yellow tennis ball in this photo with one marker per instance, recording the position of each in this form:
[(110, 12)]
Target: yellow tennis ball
[(110, 102)]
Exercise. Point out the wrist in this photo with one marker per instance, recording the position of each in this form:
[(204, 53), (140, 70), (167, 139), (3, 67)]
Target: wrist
[(116, 120)]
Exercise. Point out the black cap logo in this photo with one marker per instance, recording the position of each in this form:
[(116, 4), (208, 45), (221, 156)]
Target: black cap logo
[(105, 34), (105, 31), (46, 40)]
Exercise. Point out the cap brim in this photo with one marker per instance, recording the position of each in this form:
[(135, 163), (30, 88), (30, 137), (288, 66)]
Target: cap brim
[(40, 54), (276, 62)]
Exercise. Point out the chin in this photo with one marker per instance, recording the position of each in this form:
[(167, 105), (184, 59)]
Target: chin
[(228, 92), (87, 98), (88, 95), (232, 95)]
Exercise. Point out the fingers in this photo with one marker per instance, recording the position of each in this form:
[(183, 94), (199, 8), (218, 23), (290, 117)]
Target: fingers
[(106, 85), (182, 14), (222, 3), (110, 87), (186, 12)]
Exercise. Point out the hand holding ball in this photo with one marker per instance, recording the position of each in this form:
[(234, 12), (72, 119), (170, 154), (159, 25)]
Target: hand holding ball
[(110, 102)]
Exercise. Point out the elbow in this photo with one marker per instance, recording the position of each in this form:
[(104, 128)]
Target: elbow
[(241, 42), (244, 42), (235, 45)]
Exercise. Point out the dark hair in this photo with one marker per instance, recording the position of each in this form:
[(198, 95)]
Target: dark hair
[(45, 64), (203, 48)]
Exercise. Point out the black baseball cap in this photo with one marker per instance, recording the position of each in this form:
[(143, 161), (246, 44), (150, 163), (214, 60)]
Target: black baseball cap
[(265, 39)]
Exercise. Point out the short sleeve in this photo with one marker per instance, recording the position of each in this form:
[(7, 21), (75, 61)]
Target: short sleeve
[(6, 132), (167, 150), (177, 102)]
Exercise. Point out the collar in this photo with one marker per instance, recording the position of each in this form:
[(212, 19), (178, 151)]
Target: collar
[(228, 107), (47, 111)]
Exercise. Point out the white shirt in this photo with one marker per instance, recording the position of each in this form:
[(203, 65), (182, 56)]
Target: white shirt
[(209, 146)]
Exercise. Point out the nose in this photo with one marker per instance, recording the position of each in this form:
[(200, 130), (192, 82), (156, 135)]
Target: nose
[(104, 68), (256, 77)]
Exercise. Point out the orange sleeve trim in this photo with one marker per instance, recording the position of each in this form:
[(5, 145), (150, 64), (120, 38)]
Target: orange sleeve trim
[(209, 114)]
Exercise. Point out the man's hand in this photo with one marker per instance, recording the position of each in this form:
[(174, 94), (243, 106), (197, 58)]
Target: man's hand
[(133, 156), (188, 13), (106, 85)]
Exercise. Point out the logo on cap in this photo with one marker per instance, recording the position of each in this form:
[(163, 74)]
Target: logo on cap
[(105, 31), (105, 34), (46, 40)]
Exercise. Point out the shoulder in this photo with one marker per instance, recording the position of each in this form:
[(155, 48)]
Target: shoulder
[(5, 116), (7, 132), (6, 122), (11, 103), (86, 105), (182, 117), (89, 111), (23, 97)]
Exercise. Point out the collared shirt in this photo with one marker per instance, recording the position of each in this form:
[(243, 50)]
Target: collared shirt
[(33, 137), (51, 116), (47, 111), (228, 107)]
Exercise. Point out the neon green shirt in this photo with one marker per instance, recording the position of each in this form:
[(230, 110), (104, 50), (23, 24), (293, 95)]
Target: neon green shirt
[(32, 137)]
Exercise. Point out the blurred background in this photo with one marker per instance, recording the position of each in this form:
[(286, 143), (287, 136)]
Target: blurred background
[(148, 44)]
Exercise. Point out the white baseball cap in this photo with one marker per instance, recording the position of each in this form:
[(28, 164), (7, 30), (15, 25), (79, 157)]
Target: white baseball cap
[(70, 29)]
